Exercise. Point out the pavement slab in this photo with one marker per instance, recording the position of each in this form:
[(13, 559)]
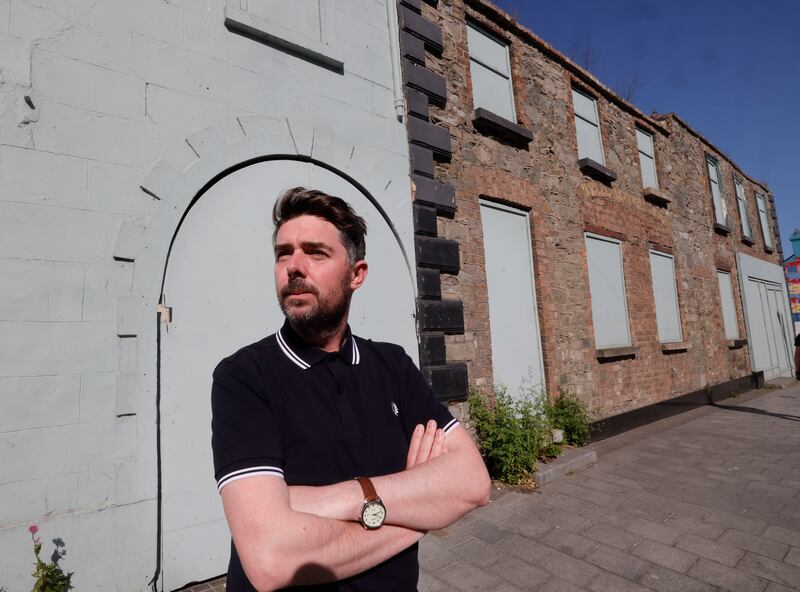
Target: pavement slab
[(704, 501)]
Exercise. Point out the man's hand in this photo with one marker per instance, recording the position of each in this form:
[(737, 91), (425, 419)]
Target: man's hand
[(440, 484), (427, 442)]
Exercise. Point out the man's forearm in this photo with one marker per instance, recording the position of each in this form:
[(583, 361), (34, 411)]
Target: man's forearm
[(306, 549), (428, 496)]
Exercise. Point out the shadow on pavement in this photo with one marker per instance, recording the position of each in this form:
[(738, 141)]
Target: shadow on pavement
[(756, 411)]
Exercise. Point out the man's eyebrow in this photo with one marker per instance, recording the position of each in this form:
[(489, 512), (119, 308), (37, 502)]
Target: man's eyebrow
[(315, 245), (305, 245)]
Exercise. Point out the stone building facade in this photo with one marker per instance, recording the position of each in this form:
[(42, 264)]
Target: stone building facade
[(530, 161)]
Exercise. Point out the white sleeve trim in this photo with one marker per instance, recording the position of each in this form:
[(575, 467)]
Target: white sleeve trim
[(451, 425), (249, 472)]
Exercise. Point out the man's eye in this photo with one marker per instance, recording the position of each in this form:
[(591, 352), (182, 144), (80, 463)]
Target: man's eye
[(317, 254)]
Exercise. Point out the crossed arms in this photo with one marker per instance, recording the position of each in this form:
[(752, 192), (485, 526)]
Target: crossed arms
[(291, 536)]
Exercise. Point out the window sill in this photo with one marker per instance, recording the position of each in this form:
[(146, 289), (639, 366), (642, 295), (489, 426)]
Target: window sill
[(736, 343), (613, 353), (676, 347), (748, 241), (489, 123), (597, 171), (721, 229), (656, 197), (769, 250)]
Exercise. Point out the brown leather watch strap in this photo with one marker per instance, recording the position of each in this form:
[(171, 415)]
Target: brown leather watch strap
[(368, 488)]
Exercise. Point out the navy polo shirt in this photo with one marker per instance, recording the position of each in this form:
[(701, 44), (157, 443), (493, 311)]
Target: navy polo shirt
[(285, 408)]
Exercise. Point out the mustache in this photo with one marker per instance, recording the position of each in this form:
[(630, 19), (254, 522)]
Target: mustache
[(297, 285)]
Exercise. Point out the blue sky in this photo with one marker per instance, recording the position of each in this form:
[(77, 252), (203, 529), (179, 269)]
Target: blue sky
[(729, 69)]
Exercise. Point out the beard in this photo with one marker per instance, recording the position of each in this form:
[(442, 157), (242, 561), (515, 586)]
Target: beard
[(320, 319)]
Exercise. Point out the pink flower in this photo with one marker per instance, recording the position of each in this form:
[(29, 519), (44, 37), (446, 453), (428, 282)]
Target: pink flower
[(33, 529)]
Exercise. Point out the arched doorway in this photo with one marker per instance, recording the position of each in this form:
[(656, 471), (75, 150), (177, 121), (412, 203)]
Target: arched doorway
[(220, 287)]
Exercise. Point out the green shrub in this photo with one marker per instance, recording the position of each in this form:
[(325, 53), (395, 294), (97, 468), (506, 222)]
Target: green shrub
[(568, 413), (512, 433)]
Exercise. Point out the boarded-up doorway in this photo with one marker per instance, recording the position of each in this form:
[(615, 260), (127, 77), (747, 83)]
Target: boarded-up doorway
[(220, 286)]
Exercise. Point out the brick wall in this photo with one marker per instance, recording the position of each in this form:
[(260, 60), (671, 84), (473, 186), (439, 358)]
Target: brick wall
[(544, 177)]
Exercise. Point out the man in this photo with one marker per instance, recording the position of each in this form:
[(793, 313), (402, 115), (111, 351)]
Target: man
[(797, 356), (300, 414)]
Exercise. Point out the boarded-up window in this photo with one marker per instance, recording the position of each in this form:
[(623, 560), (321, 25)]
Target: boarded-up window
[(647, 159), (742, 203), (607, 287), (587, 127), (720, 209), (668, 318), (762, 216), (516, 347), (491, 73), (728, 307)]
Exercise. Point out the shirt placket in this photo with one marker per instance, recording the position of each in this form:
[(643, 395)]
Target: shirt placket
[(343, 396)]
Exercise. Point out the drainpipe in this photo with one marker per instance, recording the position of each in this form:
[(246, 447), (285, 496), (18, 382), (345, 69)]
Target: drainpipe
[(394, 50)]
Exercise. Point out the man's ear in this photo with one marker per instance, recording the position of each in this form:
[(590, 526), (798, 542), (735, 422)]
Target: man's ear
[(359, 274)]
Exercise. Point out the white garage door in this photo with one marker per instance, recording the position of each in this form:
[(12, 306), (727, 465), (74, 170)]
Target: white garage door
[(769, 348), (220, 286), (766, 308)]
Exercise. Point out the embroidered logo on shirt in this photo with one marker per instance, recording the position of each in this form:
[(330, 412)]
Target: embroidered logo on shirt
[(395, 410)]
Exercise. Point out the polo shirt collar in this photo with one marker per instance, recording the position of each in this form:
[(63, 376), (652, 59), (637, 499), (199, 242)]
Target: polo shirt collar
[(305, 355)]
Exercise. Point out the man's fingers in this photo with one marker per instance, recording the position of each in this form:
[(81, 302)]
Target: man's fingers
[(425, 446), (413, 446), (438, 444)]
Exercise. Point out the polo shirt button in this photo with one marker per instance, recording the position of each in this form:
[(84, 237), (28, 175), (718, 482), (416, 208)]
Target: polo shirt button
[(340, 390)]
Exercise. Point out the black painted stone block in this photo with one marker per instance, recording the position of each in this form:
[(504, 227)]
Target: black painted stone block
[(440, 195), (429, 283), (424, 220), (431, 349), (441, 315), (449, 382), (439, 253), (416, 24), (425, 134), (420, 78)]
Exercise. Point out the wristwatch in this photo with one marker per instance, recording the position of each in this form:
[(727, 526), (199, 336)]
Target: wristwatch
[(373, 512)]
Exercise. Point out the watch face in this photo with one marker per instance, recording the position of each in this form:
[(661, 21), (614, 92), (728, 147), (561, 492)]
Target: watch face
[(373, 515)]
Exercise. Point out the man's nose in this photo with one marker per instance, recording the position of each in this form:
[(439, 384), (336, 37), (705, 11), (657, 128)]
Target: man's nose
[(296, 265)]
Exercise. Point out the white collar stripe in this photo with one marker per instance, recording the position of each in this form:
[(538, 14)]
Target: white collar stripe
[(356, 353), (290, 354)]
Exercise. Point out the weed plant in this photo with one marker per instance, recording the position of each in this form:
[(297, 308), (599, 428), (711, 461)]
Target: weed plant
[(514, 432)]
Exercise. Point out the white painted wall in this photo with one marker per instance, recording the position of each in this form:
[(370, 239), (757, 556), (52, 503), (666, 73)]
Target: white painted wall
[(97, 98)]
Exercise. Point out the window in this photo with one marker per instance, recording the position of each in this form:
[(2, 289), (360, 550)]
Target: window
[(720, 210), (762, 216), (587, 127), (513, 317), (746, 230), (665, 292), (647, 159), (728, 307), (491, 73), (607, 288)]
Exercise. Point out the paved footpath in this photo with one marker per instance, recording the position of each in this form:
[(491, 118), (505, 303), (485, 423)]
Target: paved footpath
[(708, 500)]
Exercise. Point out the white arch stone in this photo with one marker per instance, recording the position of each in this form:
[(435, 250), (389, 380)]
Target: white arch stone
[(146, 246)]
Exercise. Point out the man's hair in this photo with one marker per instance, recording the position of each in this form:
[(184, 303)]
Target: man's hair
[(300, 201)]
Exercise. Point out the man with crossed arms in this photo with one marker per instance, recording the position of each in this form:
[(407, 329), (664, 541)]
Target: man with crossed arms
[(332, 456)]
